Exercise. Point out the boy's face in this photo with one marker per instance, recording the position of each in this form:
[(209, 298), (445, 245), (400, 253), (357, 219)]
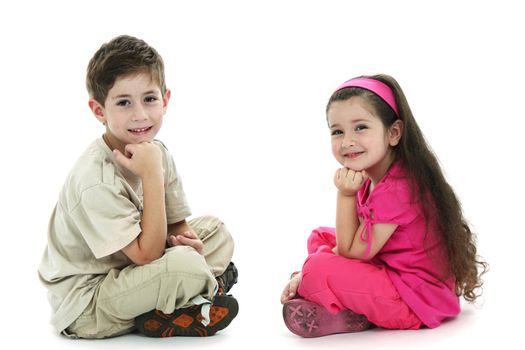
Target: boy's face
[(133, 110)]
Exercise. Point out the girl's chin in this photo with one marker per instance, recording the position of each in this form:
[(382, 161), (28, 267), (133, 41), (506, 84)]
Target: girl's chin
[(352, 166)]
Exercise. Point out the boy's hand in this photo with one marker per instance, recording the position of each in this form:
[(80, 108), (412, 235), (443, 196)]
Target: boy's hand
[(188, 238), (143, 159), (348, 182)]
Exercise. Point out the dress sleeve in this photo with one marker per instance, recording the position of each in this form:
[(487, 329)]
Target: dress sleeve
[(390, 203), (106, 218), (393, 205)]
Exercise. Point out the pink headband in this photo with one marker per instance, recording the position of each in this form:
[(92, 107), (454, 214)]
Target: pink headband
[(377, 87)]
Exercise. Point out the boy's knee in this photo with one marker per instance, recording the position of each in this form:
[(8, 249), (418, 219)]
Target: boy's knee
[(211, 228), (186, 260)]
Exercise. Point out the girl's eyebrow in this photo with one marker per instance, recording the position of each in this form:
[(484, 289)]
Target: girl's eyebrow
[(355, 121), (359, 121)]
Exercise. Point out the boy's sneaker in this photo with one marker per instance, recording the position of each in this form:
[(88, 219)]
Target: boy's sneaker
[(187, 321), (228, 278), (309, 320)]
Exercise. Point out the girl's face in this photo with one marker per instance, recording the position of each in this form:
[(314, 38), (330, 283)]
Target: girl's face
[(360, 141)]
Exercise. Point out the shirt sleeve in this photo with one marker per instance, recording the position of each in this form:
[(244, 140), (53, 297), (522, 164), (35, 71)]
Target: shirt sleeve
[(107, 219), (177, 208)]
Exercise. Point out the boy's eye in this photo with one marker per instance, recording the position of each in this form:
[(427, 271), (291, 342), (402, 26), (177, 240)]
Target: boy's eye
[(336, 132), (123, 103), (151, 99)]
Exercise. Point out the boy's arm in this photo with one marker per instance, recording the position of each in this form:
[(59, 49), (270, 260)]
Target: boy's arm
[(178, 228), (146, 162), (180, 233)]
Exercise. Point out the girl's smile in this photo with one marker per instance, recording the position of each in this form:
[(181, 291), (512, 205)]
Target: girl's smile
[(352, 155)]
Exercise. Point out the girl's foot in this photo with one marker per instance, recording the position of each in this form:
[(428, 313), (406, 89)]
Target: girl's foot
[(308, 319)]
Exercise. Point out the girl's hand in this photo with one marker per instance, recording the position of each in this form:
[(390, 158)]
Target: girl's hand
[(290, 291), (188, 238), (348, 182)]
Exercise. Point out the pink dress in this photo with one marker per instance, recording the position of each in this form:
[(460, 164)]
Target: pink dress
[(404, 285)]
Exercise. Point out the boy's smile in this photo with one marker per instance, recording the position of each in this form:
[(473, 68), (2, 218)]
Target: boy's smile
[(133, 110)]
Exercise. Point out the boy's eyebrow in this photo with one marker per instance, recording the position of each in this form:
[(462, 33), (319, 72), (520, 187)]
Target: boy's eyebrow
[(149, 92), (120, 96)]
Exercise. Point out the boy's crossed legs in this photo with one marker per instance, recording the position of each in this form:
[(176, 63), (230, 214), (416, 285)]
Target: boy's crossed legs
[(180, 279)]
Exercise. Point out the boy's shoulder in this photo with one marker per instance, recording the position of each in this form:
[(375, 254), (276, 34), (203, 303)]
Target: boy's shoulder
[(94, 167)]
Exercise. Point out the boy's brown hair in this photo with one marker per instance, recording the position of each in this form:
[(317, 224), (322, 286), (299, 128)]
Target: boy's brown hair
[(122, 56)]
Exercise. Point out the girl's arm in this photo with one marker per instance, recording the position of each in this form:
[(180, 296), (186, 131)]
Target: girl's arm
[(346, 223), (348, 229), (380, 235), (348, 183)]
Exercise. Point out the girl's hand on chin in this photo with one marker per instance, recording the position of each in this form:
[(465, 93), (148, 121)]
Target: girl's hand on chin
[(348, 181)]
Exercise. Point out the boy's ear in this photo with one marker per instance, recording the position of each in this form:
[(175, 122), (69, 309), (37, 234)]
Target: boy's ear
[(395, 132), (98, 110), (166, 99)]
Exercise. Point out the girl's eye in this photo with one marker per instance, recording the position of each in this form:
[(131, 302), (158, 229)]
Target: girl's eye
[(360, 127), (123, 103), (336, 132)]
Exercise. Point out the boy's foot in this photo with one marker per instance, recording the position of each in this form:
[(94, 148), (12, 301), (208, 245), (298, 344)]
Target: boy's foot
[(187, 321), (309, 320), (228, 278)]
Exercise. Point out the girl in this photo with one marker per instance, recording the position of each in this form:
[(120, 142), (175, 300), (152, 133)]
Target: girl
[(401, 253)]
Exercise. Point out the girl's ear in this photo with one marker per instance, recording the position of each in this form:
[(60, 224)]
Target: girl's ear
[(395, 132), (98, 110)]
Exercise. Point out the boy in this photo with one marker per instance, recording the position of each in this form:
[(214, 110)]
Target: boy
[(106, 265)]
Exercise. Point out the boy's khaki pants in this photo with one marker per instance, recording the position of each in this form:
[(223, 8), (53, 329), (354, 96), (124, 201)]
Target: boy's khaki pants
[(180, 278)]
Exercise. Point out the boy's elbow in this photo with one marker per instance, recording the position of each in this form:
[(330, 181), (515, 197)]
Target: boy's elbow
[(144, 259)]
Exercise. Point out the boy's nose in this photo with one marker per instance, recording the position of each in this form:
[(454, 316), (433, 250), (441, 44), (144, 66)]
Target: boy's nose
[(139, 114)]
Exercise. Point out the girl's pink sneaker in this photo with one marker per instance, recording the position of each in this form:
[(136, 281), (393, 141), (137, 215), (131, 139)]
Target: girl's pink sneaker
[(309, 320)]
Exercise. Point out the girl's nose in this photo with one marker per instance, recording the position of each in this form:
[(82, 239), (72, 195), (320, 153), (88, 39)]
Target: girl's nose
[(347, 142)]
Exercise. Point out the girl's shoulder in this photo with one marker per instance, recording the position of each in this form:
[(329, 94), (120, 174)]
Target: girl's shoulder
[(391, 200), (395, 183)]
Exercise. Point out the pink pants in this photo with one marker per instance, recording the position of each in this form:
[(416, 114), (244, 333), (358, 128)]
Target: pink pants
[(339, 283)]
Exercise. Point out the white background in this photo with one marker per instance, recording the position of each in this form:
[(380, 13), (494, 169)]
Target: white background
[(246, 125)]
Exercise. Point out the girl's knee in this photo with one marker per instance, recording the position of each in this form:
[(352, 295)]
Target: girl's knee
[(319, 263), (322, 238)]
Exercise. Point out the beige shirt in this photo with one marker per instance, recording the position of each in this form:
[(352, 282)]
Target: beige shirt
[(98, 213)]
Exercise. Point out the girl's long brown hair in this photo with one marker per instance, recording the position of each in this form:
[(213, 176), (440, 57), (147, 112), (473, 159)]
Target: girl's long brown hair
[(427, 179)]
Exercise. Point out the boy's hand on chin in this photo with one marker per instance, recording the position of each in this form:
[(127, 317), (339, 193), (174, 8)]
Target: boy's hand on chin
[(143, 159)]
